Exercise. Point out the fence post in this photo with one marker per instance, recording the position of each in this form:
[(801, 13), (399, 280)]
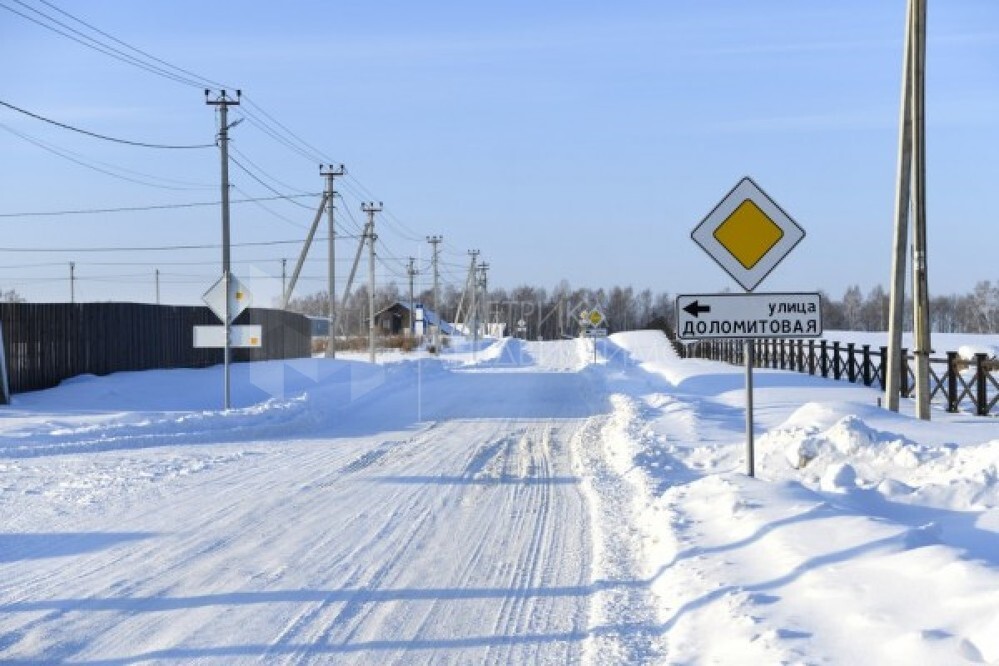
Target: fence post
[(865, 369), (823, 360), (783, 354), (800, 359), (981, 384), (882, 366), (951, 381), (837, 364), (811, 357), (851, 363)]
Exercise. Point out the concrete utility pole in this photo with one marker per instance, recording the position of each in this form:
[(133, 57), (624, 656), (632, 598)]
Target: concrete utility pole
[(286, 296), (435, 241), (284, 276), (330, 194), (474, 284), (911, 199), (223, 102), (72, 282), (920, 282), (411, 272), (484, 283), (157, 286), (371, 208)]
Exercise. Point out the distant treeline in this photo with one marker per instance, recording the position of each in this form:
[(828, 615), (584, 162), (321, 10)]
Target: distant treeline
[(554, 313)]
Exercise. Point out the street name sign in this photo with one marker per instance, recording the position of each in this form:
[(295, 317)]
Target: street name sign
[(249, 335), (747, 234), (744, 316)]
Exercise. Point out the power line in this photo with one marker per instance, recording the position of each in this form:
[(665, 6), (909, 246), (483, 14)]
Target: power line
[(261, 182), (129, 46), (267, 210), (146, 248), (133, 209), (140, 144), (94, 44), (78, 159)]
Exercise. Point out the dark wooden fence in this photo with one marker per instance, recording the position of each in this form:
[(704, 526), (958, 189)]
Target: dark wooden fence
[(954, 381), (48, 342)]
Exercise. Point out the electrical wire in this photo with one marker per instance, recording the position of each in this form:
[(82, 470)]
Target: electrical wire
[(129, 46), (148, 248), (105, 168), (94, 44), (273, 213), (133, 209), (261, 182), (95, 135)]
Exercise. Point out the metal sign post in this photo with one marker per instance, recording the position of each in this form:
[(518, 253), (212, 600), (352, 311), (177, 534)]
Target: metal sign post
[(750, 444), (227, 298)]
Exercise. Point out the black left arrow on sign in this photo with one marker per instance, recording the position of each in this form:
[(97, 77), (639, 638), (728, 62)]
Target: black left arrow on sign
[(696, 309)]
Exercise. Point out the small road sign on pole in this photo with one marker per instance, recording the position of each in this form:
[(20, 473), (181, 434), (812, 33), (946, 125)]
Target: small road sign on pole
[(240, 298), (747, 234), (239, 336)]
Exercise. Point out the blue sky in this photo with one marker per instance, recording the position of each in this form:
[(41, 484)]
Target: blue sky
[(565, 140)]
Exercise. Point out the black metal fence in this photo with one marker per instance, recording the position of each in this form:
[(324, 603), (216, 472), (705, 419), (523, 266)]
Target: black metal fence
[(954, 381), (45, 343)]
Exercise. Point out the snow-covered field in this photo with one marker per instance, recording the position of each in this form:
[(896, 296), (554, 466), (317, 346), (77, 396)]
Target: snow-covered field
[(519, 504)]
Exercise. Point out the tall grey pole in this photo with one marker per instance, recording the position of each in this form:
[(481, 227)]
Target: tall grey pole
[(72, 282), (896, 309), (750, 446), (157, 286), (920, 296), (371, 209), (473, 309), (223, 103), (435, 241), (330, 174), (411, 272)]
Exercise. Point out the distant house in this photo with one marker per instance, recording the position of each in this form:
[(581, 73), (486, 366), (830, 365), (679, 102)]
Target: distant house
[(320, 326), (396, 319)]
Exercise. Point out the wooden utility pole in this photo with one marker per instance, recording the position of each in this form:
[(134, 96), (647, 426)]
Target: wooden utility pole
[(910, 199)]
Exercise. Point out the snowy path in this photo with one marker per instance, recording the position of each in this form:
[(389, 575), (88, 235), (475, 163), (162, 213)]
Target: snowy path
[(461, 540), (518, 504)]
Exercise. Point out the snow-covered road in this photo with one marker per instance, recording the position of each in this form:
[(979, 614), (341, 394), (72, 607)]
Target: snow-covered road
[(515, 505), (465, 538)]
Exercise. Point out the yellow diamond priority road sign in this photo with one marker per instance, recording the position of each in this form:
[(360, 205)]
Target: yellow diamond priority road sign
[(747, 234)]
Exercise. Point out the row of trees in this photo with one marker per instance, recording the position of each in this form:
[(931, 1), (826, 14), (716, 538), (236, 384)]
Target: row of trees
[(977, 312), (555, 313)]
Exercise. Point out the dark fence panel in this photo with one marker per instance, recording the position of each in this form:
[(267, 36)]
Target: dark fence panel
[(953, 381), (48, 342)]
